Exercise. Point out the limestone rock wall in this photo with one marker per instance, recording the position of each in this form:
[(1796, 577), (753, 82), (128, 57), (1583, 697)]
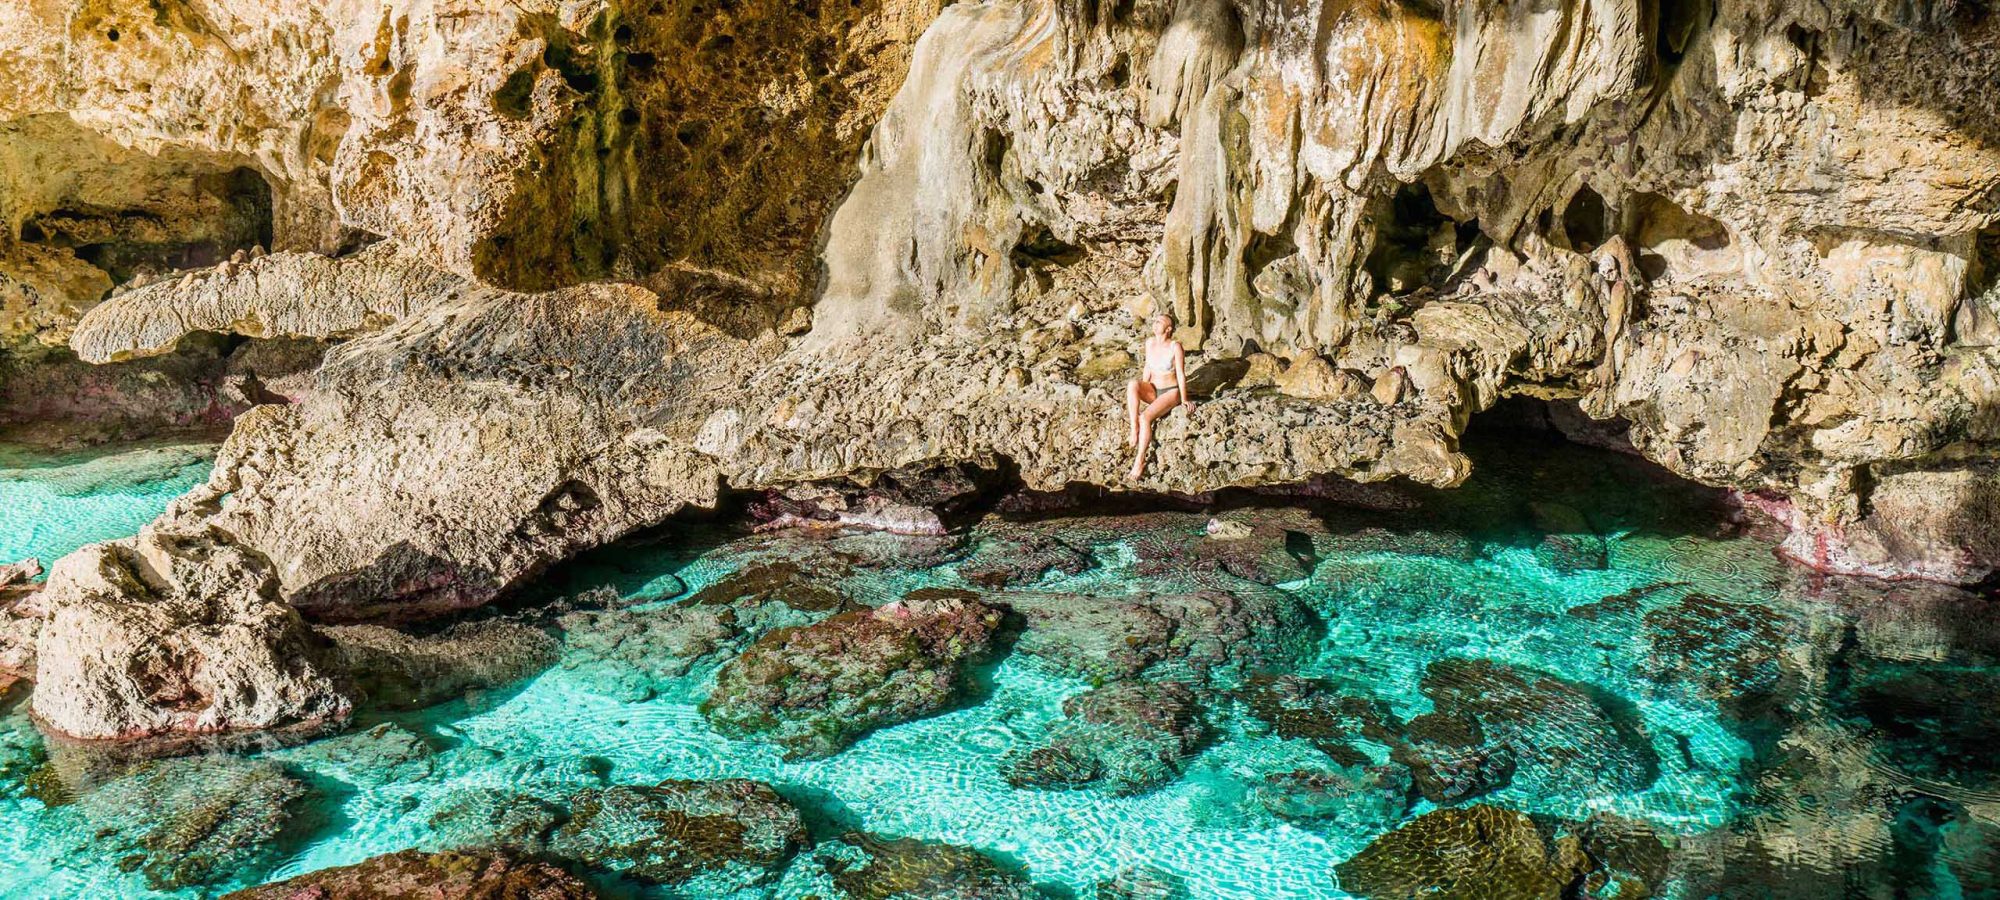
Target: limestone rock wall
[(529, 145), (1777, 223)]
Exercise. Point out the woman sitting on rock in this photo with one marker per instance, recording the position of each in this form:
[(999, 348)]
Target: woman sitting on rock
[(1161, 386)]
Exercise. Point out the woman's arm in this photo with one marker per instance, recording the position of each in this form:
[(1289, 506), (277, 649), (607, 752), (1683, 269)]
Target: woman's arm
[(1180, 375)]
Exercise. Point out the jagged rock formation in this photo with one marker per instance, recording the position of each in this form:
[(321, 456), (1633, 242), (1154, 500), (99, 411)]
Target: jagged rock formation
[(1765, 237)]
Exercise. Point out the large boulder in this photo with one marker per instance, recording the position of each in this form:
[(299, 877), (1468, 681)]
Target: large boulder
[(1129, 737), (814, 690), (708, 838), (416, 875), (170, 636)]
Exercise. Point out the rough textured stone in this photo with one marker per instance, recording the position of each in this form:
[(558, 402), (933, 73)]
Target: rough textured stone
[(1463, 853), (707, 837), (170, 636), (415, 875), (814, 690), (285, 295), (1130, 737)]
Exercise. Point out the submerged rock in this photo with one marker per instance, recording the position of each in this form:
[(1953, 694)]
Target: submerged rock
[(1141, 884), (1266, 546), (871, 867), (396, 670), (1569, 543), (1464, 853), (706, 837), (1564, 735), (813, 690), (1357, 799), (1316, 711), (1450, 759), (1022, 556), (1730, 653), (494, 819), (1130, 737), (1208, 635), (386, 753), (191, 821), (416, 875)]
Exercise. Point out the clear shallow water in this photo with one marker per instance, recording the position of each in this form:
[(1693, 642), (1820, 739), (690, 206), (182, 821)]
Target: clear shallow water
[(51, 504), (1796, 737)]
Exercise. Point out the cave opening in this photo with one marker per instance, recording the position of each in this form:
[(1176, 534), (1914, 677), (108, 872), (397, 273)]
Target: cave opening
[(1983, 276), (1672, 241), (229, 211), (1413, 240), (1040, 250), (1675, 24), (1586, 220)]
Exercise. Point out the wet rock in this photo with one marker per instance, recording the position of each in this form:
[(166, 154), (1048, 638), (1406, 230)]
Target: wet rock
[(1629, 860), (168, 637), (396, 670), (416, 875), (1731, 653), (1569, 543), (191, 821), (1129, 737), (386, 753), (1463, 853), (1209, 635), (872, 867), (1358, 799), (1142, 883), (1450, 760), (783, 582), (1562, 735), (1022, 556), (632, 654), (494, 819), (706, 837), (1264, 546), (18, 573), (913, 501), (1316, 711), (815, 689)]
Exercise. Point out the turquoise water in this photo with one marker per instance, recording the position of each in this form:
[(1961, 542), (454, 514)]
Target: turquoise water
[(51, 504), (1788, 735)]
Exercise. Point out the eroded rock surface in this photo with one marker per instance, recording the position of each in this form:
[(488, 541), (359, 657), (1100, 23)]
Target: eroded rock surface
[(168, 636), (1130, 737), (814, 690)]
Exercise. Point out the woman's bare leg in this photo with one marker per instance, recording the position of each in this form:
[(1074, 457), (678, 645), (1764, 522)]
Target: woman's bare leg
[(1137, 395), (1156, 409)]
